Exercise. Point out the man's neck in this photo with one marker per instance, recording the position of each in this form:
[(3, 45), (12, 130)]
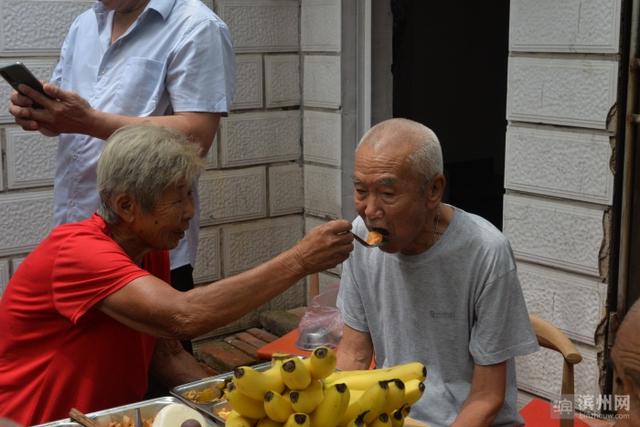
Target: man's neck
[(123, 19)]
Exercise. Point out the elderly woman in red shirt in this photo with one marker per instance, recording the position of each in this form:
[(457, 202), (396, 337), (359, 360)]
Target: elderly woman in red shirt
[(90, 311)]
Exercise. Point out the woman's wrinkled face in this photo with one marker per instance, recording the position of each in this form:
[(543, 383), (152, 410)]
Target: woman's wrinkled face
[(166, 223), (389, 199)]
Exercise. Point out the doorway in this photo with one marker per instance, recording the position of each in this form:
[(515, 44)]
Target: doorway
[(450, 73)]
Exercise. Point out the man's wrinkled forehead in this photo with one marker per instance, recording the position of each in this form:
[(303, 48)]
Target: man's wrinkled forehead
[(383, 182)]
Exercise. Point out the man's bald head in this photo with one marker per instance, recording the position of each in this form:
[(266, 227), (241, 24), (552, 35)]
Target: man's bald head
[(425, 160)]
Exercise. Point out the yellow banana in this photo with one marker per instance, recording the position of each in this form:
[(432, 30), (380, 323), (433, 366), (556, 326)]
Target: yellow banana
[(383, 420), (397, 418), (234, 419), (295, 374), (332, 408), (395, 396), (277, 407), (413, 391), (371, 401), (358, 421), (364, 379), (255, 384), (268, 422), (243, 404), (298, 419), (308, 399), (321, 363)]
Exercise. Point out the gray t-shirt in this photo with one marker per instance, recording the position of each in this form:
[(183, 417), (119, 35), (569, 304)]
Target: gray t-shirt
[(456, 304)]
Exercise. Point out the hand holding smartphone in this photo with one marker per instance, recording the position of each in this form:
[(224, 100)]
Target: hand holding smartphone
[(18, 73)]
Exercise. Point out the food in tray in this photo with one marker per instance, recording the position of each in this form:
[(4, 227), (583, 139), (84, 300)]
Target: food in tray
[(178, 415), (205, 395), (310, 391), (374, 237), (128, 422)]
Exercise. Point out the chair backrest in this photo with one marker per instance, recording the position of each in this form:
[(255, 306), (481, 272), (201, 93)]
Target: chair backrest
[(553, 338)]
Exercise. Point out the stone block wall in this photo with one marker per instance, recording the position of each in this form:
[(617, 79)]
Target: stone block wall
[(322, 92), (562, 92)]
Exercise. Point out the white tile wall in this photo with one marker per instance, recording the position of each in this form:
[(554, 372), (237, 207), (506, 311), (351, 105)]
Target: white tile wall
[(254, 138), (282, 80), (232, 195), (568, 164), (31, 158), (569, 26), (249, 82), (575, 304), (293, 297), (207, 268), (554, 233), (262, 25), (44, 30), (321, 25), (246, 245), (286, 189), (25, 219), (568, 92), (322, 134), (322, 191), (322, 81)]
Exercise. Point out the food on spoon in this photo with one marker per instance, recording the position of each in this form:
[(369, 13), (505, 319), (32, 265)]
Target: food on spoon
[(374, 237), (175, 414)]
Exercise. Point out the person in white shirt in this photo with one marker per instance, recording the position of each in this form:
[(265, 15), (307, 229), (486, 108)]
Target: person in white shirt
[(123, 62)]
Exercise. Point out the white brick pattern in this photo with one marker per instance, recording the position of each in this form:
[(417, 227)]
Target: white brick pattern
[(262, 25), (572, 165), (36, 27), (207, 268), (232, 195), (322, 134), (285, 189), (554, 233), (282, 77), (254, 138), (249, 244), (573, 303), (249, 78), (4, 275), (568, 26), (322, 191), (561, 91), (321, 26), (31, 158), (322, 82), (25, 219)]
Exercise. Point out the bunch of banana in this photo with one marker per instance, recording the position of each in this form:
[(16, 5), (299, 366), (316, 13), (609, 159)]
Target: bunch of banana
[(309, 392)]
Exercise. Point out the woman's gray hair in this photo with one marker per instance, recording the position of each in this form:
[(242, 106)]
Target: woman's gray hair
[(143, 161), (426, 159)]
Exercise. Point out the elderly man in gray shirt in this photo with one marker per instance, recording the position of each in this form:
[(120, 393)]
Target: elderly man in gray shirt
[(442, 288)]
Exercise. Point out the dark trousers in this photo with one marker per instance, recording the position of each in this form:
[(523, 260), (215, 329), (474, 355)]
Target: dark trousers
[(182, 280)]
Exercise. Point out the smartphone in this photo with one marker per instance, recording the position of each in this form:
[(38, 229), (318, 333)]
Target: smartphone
[(18, 73)]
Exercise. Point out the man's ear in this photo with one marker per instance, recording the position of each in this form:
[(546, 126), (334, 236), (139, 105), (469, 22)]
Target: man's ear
[(435, 191), (124, 206)]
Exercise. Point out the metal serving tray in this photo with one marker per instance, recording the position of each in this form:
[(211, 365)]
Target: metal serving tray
[(148, 409), (211, 410)]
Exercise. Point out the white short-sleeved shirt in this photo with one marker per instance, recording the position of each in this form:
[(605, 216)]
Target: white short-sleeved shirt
[(453, 306), (176, 57)]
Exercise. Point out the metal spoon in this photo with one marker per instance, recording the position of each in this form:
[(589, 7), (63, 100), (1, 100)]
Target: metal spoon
[(364, 242)]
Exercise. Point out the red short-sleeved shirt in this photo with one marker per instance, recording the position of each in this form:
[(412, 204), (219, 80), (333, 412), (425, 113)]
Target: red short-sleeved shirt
[(56, 351)]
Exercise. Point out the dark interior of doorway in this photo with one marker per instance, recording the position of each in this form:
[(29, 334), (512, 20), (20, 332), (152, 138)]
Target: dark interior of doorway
[(450, 73)]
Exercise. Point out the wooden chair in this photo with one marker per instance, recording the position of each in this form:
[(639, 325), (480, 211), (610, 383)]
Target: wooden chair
[(537, 413)]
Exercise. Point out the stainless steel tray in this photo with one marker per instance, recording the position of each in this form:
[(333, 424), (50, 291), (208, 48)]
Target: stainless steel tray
[(211, 410), (148, 409)]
